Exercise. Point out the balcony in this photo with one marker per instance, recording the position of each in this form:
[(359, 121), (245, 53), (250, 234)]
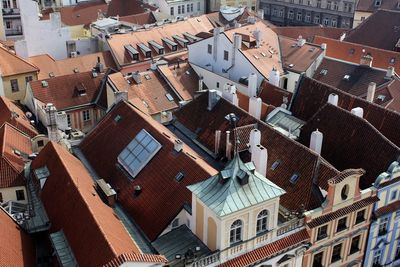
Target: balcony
[(11, 12), (289, 226), (13, 32)]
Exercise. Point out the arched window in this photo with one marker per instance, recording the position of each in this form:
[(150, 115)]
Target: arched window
[(236, 232), (262, 221)]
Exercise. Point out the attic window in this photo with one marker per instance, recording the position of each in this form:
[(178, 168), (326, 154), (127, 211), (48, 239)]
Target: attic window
[(352, 51), (378, 2), (80, 89), (117, 118), (256, 57), (170, 98), (179, 177), (17, 152), (275, 165), (147, 77), (294, 178), (346, 77), (392, 60), (324, 72), (381, 97)]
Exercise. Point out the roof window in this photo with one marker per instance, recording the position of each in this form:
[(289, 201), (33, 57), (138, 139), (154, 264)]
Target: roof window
[(346, 77), (324, 72), (275, 165), (179, 177), (169, 96), (294, 178)]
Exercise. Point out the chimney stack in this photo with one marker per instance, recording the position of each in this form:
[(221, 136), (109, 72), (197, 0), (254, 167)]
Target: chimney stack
[(274, 77), (255, 139), (301, 41), (333, 99), (217, 141), (259, 157), (371, 92), (258, 37), (324, 46), (316, 141), (213, 98), (178, 145), (390, 72), (359, 112), (252, 85), (255, 105)]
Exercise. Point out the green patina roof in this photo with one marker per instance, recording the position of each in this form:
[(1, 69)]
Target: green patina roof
[(230, 196)]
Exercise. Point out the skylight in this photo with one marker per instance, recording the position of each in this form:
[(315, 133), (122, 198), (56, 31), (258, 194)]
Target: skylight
[(179, 177), (275, 165), (139, 152), (294, 178), (169, 96), (346, 77)]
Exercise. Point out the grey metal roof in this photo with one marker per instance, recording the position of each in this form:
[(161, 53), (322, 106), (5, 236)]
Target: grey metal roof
[(230, 196), (63, 250)]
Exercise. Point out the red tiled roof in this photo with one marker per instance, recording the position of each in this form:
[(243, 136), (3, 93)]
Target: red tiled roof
[(346, 134), (128, 7), (352, 52), (293, 157), (268, 251), (139, 19), (380, 30), (11, 64), (309, 32), (16, 247), (14, 115), (12, 165), (312, 95), (392, 207), (343, 211), (102, 147), (71, 187), (62, 91), (130, 257)]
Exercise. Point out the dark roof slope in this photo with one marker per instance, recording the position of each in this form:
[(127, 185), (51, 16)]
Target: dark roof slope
[(162, 196), (312, 95), (293, 157), (309, 32), (351, 142), (128, 7), (380, 30), (369, 5)]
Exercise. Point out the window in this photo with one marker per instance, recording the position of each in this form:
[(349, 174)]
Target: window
[(378, 3), (20, 194), (191, 7), (14, 85), (326, 21), (274, 12), (319, 3), (217, 84), (362, 18), (28, 79), (329, 5), (179, 9), (1, 197), (335, 5), (397, 256), (69, 120), (236, 232), (175, 223), (377, 257), (393, 195), (198, 6), (360, 216), (308, 17), (355, 244), (139, 152), (290, 14), (209, 49), (171, 12), (275, 165), (341, 224), (334, 23), (292, 1), (6, 4), (299, 16), (187, 8), (280, 13), (318, 259), (316, 19), (322, 232), (300, 2), (40, 143), (383, 225), (8, 25), (336, 253), (262, 221), (183, 9), (345, 190), (226, 55), (86, 115)]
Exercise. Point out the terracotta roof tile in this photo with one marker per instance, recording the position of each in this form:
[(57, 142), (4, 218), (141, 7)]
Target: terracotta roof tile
[(268, 251), (384, 24), (347, 134), (62, 91), (102, 147), (341, 212), (312, 95), (16, 246), (14, 115), (273, 95), (80, 203), (352, 52), (11, 64), (392, 207), (292, 156), (47, 64), (11, 164)]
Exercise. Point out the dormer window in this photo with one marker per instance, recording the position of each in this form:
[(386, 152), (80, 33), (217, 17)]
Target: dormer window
[(378, 2), (236, 232), (345, 192)]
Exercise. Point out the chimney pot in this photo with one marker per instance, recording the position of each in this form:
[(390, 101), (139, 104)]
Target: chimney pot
[(333, 99), (260, 157), (255, 106), (359, 112), (252, 85), (371, 92)]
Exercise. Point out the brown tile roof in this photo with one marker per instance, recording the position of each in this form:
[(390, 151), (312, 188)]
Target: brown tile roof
[(130, 257), (244, 104), (80, 203), (128, 7), (268, 251), (309, 32), (359, 76), (273, 95), (292, 156), (118, 41), (352, 52), (139, 19), (312, 95), (346, 134), (102, 147), (16, 246), (380, 30), (47, 64), (301, 57), (343, 211), (62, 91), (12, 165), (14, 115), (392, 207), (151, 91), (369, 5), (11, 64), (183, 80)]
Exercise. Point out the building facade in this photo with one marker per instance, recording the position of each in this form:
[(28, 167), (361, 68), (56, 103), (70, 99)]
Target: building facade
[(309, 12), (182, 8), (383, 248)]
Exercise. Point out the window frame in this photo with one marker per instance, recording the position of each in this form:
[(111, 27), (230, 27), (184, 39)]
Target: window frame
[(352, 251), (383, 230), (14, 85), (322, 236), (236, 232), (226, 55), (322, 259), (18, 193), (341, 229), (363, 217), (262, 221), (86, 118), (209, 49), (336, 259)]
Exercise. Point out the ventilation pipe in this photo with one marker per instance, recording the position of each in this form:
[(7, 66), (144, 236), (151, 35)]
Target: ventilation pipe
[(316, 141), (359, 112), (255, 105), (217, 141), (274, 77), (255, 139), (252, 85), (260, 157), (333, 99), (371, 92)]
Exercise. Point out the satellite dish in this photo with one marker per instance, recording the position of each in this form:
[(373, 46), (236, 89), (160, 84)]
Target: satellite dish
[(28, 115)]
